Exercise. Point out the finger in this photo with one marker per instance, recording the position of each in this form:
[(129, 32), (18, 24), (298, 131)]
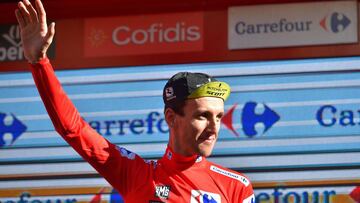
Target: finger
[(41, 11), (32, 12), (20, 18), (24, 12)]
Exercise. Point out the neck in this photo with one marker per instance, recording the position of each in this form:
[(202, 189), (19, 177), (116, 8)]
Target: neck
[(179, 161), (178, 149)]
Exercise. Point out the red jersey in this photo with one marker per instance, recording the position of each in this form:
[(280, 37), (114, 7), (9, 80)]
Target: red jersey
[(173, 178)]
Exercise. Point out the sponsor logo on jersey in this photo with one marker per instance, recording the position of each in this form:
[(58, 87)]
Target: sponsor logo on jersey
[(162, 191), (126, 153), (169, 155), (250, 118), (10, 126), (238, 177), (200, 196)]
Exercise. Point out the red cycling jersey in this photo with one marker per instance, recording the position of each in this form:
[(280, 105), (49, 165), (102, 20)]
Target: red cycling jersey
[(173, 178)]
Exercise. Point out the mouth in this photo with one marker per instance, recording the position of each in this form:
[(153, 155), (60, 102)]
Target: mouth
[(208, 139)]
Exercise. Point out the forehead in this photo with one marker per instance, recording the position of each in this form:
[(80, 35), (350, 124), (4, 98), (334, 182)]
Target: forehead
[(205, 104)]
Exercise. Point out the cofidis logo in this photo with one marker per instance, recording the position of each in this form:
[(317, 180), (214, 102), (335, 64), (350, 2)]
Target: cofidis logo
[(148, 34), (250, 119)]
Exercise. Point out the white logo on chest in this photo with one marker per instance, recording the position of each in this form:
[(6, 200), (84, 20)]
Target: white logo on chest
[(238, 177), (200, 196)]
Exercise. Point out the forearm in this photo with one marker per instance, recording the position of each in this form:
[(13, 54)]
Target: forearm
[(65, 117), (60, 109)]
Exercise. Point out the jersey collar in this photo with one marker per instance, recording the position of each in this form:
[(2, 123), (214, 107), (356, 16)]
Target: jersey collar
[(180, 162)]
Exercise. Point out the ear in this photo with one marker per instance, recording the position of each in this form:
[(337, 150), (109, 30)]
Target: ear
[(170, 117)]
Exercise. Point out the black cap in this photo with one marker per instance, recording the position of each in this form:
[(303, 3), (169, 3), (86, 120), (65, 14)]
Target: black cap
[(185, 85)]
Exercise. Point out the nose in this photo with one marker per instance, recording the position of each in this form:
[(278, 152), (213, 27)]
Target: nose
[(213, 124)]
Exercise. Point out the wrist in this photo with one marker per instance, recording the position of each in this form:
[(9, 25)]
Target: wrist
[(39, 61), (36, 59)]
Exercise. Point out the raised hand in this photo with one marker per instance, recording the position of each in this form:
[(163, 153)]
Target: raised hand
[(36, 36)]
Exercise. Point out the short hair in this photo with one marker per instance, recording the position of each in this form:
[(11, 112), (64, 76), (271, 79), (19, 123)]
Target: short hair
[(178, 107)]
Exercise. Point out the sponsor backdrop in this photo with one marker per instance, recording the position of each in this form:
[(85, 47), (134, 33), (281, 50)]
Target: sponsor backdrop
[(11, 46), (227, 33), (291, 126), (144, 34), (286, 25)]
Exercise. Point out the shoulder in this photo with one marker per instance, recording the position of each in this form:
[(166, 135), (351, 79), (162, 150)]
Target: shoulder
[(228, 175), (238, 186)]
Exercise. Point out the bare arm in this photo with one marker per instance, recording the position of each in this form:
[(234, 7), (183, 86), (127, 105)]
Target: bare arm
[(36, 35)]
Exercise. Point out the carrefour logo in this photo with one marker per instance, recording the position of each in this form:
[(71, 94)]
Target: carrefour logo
[(336, 22), (152, 123), (250, 119), (330, 116), (10, 128), (200, 196)]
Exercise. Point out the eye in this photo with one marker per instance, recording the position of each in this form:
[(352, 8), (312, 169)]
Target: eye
[(220, 116), (202, 115)]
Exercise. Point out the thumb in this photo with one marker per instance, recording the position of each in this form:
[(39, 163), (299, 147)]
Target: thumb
[(51, 33)]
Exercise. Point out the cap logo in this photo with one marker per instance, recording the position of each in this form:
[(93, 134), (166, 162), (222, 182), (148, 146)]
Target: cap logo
[(212, 89), (169, 93)]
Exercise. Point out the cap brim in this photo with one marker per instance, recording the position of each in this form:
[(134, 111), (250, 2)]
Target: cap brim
[(212, 89)]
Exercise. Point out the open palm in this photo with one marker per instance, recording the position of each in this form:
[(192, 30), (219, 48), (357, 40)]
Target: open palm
[(36, 36)]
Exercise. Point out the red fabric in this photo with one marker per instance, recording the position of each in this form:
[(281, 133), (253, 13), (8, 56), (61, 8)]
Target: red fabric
[(355, 194), (173, 178)]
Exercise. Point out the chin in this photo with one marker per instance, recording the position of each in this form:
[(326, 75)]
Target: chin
[(205, 152)]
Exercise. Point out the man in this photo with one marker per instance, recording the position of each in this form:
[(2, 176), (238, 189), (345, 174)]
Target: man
[(194, 106)]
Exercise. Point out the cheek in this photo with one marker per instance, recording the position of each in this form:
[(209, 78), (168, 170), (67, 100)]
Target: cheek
[(198, 126)]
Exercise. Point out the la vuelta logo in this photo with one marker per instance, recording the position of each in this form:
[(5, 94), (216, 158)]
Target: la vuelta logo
[(249, 119)]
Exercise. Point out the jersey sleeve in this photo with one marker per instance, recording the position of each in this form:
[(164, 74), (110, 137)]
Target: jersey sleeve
[(248, 195), (246, 192), (120, 167)]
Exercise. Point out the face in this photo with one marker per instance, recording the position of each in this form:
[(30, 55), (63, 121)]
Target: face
[(196, 132)]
